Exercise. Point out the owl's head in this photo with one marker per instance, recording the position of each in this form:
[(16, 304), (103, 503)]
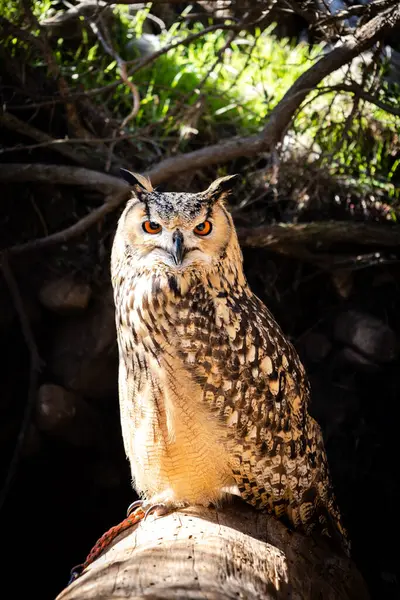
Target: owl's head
[(176, 230)]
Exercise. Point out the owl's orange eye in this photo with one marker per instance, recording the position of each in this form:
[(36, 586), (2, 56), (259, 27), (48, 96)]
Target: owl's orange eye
[(203, 228), (151, 227)]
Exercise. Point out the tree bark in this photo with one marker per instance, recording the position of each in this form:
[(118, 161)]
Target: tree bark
[(217, 554), (321, 234)]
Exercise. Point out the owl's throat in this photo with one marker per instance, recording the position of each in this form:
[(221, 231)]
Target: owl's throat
[(224, 275)]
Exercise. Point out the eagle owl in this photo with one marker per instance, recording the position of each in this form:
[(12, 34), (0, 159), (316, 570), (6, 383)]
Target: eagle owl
[(213, 397)]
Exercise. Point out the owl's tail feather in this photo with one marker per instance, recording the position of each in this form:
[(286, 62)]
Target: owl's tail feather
[(318, 518)]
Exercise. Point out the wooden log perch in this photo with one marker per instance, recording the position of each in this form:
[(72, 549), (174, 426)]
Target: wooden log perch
[(217, 554)]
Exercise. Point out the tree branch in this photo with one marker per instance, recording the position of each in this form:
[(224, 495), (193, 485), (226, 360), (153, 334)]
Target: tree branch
[(282, 114), (111, 203), (83, 157), (107, 45), (358, 10), (230, 552), (61, 174), (72, 141), (155, 2), (55, 71), (285, 238), (137, 64), (362, 39), (358, 90), (321, 234), (122, 70)]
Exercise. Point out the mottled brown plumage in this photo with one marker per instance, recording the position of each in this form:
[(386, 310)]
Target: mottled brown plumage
[(213, 396)]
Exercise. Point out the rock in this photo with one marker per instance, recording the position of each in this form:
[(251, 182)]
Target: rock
[(84, 356), (358, 361), (55, 407), (33, 441), (67, 416), (343, 282), (143, 46), (366, 334), (65, 295), (333, 405), (316, 347)]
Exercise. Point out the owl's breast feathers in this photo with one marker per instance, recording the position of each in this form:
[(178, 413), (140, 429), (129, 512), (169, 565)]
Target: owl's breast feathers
[(214, 336)]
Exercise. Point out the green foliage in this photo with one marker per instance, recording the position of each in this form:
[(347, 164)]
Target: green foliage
[(9, 10), (210, 88), (238, 92), (355, 139)]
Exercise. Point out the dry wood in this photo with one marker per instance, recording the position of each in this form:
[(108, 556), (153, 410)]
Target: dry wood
[(290, 239), (61, 174), (79, 228), (229, 553), (73, 119), (81, 156), (321, 234)]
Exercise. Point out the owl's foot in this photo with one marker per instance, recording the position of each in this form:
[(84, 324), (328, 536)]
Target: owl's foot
[(159, 508), (135, 514), (133, 506)]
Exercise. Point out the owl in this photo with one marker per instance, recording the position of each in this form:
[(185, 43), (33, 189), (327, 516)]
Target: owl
[(213, 397)]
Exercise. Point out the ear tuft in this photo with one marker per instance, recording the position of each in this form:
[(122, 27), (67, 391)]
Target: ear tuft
[(135, 180), (220, 188)]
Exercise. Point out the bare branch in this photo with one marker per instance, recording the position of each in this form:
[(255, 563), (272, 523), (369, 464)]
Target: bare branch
[(111, 203), (282, 114), (107, 45), (364, 10), (122, 69), (81, 157), (87, 8), (155, 2), (285, 238), (137, 65), (61, 174), (322, 234), (356, 89), (363, 39), (218, 153), (54, 70), (71, 141)]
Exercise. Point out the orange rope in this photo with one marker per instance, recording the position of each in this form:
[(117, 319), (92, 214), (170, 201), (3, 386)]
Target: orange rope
[(106, 539)]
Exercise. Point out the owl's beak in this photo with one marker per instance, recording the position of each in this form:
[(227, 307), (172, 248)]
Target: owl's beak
[(178, 250)]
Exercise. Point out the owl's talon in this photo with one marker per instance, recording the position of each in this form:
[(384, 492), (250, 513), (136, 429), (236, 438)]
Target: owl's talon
[(154, 507), (146, 510), (75, 573), (133, 506)]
